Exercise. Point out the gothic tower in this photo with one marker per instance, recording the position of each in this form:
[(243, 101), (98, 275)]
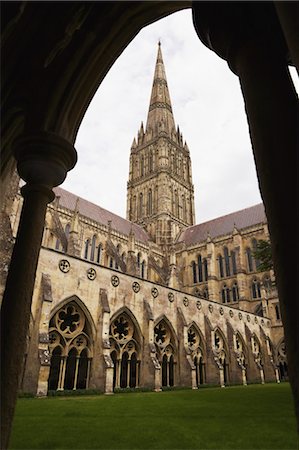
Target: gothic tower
[(160, 193)]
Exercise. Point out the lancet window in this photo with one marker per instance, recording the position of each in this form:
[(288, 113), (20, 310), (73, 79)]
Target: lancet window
[(93, 248), (225, 294), (220, 354), (235, 292), (70, 349), (240, 351), (256, 288), (234, 262), (165, 346), (282, 361), (67, 231), (196, 348), (220, 266), (194, 271), (227, 262), (150, 203), (125, 352)]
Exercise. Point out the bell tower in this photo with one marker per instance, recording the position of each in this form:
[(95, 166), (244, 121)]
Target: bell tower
[(160, 192)]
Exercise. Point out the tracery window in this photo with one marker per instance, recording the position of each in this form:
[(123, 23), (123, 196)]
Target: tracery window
[(220, 354), (225, 294), (240, 351), (196, 348), (235, 292), (256, 350), (256, 288), (165, 347), (70, 347), (282, 361), (125, 352)]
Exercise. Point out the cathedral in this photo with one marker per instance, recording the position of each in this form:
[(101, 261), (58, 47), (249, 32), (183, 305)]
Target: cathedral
[(153, 300)]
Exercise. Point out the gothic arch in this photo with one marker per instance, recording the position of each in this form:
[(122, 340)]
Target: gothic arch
[(125, 349), (167, 321), (126, 310), (70, 345), (202, 337), (81, 305)]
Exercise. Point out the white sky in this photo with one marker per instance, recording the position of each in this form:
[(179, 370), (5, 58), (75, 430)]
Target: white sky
[(207, 105)]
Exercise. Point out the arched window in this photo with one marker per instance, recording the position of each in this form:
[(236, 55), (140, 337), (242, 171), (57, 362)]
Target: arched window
[(150, 161), (134, 209), (142, 166), (225, 294), (184, 208), (86, 250), (99, 253), (200, 278), (267, 283), (164, 342), (93, 248), (111, 262), (235, 292), (142, 274), (150, 202), (124, 345), (227, 262), (138, 260), (249, 259), (259, 310), (220, 264), (205, 270), (140, 205), (277, 312), (254, 247), (234, 262), (196, 348), (194, 271), (176, 205), (256, 289), (70, 348)]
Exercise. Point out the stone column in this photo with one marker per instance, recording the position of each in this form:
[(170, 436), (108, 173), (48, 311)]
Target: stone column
[(42, 161), (250, 37)]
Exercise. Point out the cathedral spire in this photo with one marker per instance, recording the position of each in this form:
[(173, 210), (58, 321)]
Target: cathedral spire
[(160, 116)]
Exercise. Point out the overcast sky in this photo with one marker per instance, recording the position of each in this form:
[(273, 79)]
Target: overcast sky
[(207, 105)]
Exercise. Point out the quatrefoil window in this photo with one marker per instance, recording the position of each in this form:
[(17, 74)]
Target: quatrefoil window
[(64, 265), (170, 297)]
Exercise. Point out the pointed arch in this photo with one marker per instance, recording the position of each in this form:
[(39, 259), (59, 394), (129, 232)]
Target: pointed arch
[(125, 348), (70, 344), (169, 324), (81, 304), (126, 310)]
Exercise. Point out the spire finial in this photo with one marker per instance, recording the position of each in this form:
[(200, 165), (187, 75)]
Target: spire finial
[(159, 42)]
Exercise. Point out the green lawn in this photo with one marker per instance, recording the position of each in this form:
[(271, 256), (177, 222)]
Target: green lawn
[(239, 417)]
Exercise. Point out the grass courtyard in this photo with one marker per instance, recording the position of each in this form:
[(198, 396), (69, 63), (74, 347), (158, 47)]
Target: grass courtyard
[(238, 417)]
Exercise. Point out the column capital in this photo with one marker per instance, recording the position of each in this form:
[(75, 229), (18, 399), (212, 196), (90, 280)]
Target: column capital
[(230, 27), (44, 158)]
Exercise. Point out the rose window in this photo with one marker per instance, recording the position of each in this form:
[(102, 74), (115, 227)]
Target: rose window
[(122, 329), (69, 320), (160, 334)]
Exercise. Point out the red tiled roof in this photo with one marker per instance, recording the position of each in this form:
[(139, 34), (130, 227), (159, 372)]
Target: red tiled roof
[(98, 214), (224, 225)]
